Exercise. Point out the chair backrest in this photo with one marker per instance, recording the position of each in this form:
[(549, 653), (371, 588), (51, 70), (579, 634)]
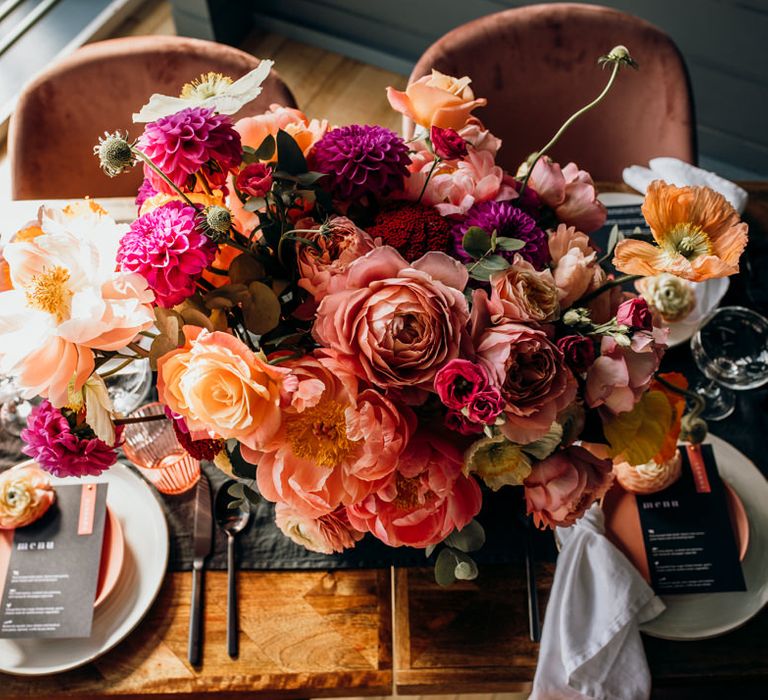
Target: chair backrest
[(538, 64), (62, 112)]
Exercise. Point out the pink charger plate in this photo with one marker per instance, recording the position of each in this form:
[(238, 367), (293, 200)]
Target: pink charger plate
[(112, 555)]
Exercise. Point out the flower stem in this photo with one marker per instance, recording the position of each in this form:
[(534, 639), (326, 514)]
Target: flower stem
[(429, 177), (570, 121), (147, 334), (115, 370), (608, 285), (140, 351), (141, 156), (203, 183)]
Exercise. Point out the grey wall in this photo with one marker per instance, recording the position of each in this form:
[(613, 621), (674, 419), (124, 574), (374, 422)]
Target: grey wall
[(725, 43)]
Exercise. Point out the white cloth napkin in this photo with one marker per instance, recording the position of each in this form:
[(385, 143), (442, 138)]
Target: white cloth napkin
[(678, 173), (591, 646)]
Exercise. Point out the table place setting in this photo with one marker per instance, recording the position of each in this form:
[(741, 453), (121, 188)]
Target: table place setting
[(318, 347)]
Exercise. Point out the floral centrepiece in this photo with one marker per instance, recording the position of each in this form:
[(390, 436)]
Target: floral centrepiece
[(367, 330)]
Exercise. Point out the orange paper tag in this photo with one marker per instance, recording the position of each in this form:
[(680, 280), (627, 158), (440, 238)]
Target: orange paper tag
[(87, 510), (698, 468)]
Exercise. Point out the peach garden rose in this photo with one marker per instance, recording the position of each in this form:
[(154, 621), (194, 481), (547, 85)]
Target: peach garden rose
[(219, 385), (26, 494)]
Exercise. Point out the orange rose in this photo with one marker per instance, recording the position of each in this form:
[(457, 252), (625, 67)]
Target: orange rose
[(436, 100), (221, 386)]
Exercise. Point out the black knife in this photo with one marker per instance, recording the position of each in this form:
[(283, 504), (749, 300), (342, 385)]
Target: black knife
[(202, 543)]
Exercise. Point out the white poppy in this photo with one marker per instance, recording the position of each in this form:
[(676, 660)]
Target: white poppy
[(211, 90)]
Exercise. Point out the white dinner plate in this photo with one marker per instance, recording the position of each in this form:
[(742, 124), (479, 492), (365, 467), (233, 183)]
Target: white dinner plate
[(704, 615), (144, 568), (620, 199)]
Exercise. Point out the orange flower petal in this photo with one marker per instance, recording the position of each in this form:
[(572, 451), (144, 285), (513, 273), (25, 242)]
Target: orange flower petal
[(638, 258)]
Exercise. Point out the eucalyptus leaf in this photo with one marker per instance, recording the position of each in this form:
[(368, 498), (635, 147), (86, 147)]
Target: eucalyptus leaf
[(289, 155), (261, 311), (546, 445), (483, 269), (255, 204), (236, 490), (236, 504), (613, 238), (429, 549), (251, 495), (445, 567), (245, 269), (466, 569), (476, 242), (468, 539), (509, 244)]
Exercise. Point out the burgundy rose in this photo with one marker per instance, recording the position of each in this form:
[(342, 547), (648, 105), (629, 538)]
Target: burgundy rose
[(459, 381), (635, 314), (447, 143), (578, 351), (486, 406), (457, 422), (255, 179)]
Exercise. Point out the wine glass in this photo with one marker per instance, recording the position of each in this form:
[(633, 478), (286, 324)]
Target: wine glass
[(129, 387), (14, 408), (731, 350)]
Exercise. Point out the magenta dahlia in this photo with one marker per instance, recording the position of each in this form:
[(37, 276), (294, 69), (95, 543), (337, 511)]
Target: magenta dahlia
[(58, 449), (144, 192), (166, 247), (183, 143), (509, 221), (360, 160)]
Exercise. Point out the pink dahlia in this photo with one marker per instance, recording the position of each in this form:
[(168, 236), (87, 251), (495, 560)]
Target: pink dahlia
[(360, 160), (183, 143), (167, 249), (62, 451)]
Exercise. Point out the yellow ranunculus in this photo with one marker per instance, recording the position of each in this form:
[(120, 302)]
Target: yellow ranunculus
[(498, 462)]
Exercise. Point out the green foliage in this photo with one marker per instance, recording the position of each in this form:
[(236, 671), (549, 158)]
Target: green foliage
[(290, 158)]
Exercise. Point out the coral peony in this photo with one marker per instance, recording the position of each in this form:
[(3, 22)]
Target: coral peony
[(436, 100), (218, 385), (166, 248), (396, 323), (338, 244), (186, 142), (253, 130), (337, 440), (328, 534), (560, 489), (61, 450), (26, 494), (426, 499), (574, 263), (361, 160), (570, 192), (412, 229), (509, 221)]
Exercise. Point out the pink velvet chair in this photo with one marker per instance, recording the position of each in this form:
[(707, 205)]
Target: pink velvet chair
[(61, 113), (538, 64)]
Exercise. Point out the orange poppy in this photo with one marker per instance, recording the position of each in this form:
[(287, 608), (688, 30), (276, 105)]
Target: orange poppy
[(698, 234)]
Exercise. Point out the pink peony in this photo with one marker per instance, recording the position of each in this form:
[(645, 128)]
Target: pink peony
[(529, 369), (62, 451), (570, 192), (337, 440), (447, 143), (560, 489), (426, 499), (574, 263), (620, 376), (635, 314), (524, 293), (327, 534), (455, 187), (183, 143), (396, 323), (340, 243), (478, 137), (459, 381), (165, 247)]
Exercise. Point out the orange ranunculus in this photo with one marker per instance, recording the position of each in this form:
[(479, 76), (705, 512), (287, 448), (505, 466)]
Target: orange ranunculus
[(698, 233), (222, 387), (436, 100)]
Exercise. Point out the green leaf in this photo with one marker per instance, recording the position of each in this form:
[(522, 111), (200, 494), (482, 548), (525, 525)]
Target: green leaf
[(255, 203), (466, 568), (252, 495), (236, 504), (289, 156), (445, 567), (265, 151), (241, 468), (483, 269), (469, 539), (509, 244), (613, 238), (476, 242), (301, 239), (236, 490), (429, 549), (545, 445)]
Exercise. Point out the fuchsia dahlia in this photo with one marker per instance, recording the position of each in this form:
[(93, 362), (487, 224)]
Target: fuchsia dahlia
[(360, 160), (51, 442), (183, 143), (167, 249)]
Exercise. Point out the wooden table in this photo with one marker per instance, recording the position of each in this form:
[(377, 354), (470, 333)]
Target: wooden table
[(363, 632)]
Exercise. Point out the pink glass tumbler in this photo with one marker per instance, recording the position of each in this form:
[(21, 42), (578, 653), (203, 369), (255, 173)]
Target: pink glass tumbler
[(154, 449)]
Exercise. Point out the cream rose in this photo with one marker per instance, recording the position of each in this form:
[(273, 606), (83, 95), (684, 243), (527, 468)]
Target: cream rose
[(25, 495), (222, 387)]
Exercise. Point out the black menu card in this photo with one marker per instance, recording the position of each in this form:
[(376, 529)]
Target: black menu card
[(53, 568), (688, 535)]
